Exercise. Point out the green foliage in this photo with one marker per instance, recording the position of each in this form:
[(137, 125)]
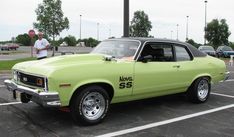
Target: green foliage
[(7, 65), (217, 32), (140, 25), (231, 44), (192, 42), (50, 18), (90, 42), (23, 39), (57, 42), (70, 40), (4, 42)]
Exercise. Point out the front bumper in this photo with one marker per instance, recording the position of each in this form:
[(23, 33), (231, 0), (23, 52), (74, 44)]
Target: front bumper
[(45, 99), (227, 75)]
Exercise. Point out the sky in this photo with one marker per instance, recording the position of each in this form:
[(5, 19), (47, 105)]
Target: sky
[(17, 17)]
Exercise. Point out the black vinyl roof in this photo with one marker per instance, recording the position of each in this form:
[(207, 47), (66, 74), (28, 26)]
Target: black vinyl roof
[(195, 52)]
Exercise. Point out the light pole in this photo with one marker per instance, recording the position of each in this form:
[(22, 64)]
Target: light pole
[(171, 33), (177, 32), (98, 31), (126, 19), (205, 21), (187, 28), (109, 33), (80, 26)]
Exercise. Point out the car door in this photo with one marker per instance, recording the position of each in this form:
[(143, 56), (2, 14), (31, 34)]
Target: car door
[(158, 75), (186, 67)]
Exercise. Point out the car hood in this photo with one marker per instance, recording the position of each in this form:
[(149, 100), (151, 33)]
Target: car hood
[(228, 51), (47, 66)]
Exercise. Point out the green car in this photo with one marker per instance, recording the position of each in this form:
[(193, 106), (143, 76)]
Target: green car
[(117, 70)]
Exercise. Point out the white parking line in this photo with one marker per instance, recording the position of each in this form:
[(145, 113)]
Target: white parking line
[(229, 80), (223, 95), (11, 103), (2, 86), (156, 124)]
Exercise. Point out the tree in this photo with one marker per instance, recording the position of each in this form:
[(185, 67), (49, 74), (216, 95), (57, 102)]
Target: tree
[(50, 18), (140, 25), (90, 42), (231, 44), (23, 39), (217, 32), (192, 42), (70, 40)]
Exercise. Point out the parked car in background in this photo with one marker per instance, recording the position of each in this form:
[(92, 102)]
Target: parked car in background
[(117, 70), (224, 51), (208, 50), (9, 46)]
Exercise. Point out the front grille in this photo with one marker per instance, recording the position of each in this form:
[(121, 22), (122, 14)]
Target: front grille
[(31, 80)]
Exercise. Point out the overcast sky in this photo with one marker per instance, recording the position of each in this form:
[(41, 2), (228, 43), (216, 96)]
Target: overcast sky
[(17, 17)]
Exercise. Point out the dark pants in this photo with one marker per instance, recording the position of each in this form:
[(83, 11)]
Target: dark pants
[(41, 58)]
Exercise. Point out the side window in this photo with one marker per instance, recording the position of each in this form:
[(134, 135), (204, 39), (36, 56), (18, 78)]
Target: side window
[(161, 52), (182, 54)]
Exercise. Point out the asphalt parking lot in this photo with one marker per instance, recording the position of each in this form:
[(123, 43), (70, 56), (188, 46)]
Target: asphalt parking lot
[(169, 116)]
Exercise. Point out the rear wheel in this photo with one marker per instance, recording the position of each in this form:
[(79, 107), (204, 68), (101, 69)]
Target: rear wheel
[(90, 105), (199, 91)]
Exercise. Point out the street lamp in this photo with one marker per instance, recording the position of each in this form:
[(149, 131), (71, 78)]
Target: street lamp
[(187, 28), (171, 33), (109, 33), (205, 21), (97, 31), (80, 26), (177, 32)]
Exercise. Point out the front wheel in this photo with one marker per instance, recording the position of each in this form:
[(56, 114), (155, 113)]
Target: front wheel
[(199, 91), (90, 105)]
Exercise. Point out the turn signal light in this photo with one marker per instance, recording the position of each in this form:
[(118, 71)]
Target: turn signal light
[(39, 82)]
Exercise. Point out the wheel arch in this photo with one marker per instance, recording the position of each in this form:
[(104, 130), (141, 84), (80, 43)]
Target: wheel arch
[(200, 76), (104, 84), (203, 75)]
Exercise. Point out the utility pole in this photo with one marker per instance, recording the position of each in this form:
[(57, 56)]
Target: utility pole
[(110, 33), (205, 21), (187, 28), (126, 19), (171, 34), (98, 31), (177, 31), (80, 26)]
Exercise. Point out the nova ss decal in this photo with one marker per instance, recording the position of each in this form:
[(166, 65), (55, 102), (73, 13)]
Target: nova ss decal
[(125, 82)]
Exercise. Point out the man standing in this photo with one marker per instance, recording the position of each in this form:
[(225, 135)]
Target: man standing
[(41, 46)]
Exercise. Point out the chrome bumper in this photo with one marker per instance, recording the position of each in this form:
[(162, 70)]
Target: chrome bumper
[(227, 75), (43, 98)]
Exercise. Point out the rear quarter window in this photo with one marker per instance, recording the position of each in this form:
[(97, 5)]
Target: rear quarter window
[(195, 51)]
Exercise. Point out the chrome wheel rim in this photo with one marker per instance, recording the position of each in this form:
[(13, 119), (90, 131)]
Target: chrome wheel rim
[(93, 105), (203, 89)]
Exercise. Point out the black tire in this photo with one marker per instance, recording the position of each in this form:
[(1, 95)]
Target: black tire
[(96, 98), (197, 93)]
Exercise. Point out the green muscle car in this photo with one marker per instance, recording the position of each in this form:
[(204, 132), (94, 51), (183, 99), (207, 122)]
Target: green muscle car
[(117, 70)]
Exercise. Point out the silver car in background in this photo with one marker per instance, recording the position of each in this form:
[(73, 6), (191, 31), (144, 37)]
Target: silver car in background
[(208, 50)]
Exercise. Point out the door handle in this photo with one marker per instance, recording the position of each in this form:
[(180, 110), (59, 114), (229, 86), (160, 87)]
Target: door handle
[(176, 66)]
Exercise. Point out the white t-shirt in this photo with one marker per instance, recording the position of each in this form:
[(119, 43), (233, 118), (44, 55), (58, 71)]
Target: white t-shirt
[(40, 44)]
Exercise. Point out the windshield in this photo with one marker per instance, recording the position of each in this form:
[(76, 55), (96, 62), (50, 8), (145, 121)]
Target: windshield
[(117, 49), (207, 48), (226, 48)]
